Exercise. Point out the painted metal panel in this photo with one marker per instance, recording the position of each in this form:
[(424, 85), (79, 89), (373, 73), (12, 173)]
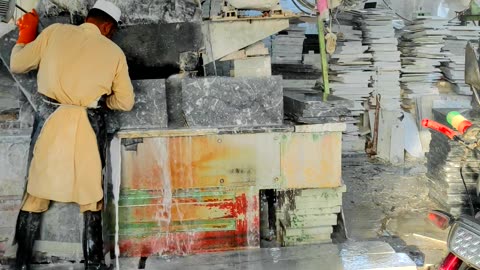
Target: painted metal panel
[(187, 221), (201, 161), (199, 193), (311, 160)]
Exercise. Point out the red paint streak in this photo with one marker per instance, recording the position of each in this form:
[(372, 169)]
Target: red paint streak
[(184, 243)]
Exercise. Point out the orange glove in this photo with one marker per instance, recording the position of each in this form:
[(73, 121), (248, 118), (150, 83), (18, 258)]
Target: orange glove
[(28, 27)]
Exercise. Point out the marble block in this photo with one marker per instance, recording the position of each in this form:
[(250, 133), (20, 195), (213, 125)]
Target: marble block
[(226, 101), (314, 104), (149, 111)]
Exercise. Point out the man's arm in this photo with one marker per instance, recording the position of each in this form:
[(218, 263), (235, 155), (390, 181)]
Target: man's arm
[(122, 97), (26, 57)]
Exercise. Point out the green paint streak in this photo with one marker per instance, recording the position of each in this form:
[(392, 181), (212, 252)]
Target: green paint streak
[(146, 197), (153, 228)]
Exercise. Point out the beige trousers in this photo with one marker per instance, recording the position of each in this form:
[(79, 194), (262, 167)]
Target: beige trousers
[(38, 205)]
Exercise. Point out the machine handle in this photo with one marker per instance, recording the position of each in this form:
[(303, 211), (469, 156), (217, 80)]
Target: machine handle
[(458, 121), (452, 135)]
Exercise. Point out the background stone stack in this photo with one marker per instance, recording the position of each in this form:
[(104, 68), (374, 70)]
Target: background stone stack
[(14, 146), (443, 164), (455, 44), (379, 36), (299, 71), (350, 75), (287, 47), (307, 216), (421, 47)]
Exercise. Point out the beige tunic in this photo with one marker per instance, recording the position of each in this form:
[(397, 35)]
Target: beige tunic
[(76, 66)]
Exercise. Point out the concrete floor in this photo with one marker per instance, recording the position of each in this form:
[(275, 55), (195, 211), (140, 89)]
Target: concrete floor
[(391, 203), (347, 256), (384, 203)]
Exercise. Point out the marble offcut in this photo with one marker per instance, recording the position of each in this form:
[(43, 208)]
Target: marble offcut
[(149, 111), (226, 101)]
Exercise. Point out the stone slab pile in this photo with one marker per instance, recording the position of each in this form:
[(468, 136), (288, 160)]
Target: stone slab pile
[(455, 44), (297, 69), (351, 67), (14, 145), (379, 36), (351, 71), (421, 46), (307, 216), (443, 164), (287, 47), (311, 107)]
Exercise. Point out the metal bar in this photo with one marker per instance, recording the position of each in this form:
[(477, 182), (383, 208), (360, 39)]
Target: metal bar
[(323, 55)]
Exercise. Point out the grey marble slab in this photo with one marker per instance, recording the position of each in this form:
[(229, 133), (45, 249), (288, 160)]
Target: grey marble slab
[(149, 111), (27, 82), (226, 101), (133, 11)]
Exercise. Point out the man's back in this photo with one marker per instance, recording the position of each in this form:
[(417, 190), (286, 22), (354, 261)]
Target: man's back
[(77, 65)]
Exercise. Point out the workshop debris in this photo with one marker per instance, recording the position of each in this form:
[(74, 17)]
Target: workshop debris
[(224, 101), (443, 163)]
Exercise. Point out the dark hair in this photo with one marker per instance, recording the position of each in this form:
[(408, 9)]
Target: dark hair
[(101, 16)]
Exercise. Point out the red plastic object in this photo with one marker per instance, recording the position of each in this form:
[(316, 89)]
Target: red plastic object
[(440, 128), (451, 262), (439, 220), (464, 126)]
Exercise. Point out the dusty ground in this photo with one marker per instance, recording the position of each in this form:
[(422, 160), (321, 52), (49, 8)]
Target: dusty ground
[(391, 203)]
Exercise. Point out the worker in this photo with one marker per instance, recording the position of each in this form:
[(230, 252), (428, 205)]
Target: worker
[(77, 67)]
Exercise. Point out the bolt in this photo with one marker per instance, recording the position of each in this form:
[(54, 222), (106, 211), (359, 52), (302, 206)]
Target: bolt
[(219, 140), (221, 181)]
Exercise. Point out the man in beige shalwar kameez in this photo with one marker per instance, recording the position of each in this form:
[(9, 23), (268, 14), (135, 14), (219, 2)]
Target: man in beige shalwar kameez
[(77, 65)]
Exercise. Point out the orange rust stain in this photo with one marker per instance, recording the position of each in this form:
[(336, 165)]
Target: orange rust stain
[(314, 164)]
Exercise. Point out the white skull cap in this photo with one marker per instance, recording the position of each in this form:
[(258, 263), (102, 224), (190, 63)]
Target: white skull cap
[(109, 8)]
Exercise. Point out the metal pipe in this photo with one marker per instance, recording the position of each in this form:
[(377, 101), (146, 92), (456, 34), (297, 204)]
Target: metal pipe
[(323, 55)]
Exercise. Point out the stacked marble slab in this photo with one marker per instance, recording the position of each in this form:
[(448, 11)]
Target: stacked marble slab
[(421, 46), (455, 44), (351, 71), (443, 164), (313, 107), (350, 67), (226, 101), (287, 47), (307, 216), (379, 36)]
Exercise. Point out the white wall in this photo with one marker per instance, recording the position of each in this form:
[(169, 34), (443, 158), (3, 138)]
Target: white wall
[(442, 8)]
